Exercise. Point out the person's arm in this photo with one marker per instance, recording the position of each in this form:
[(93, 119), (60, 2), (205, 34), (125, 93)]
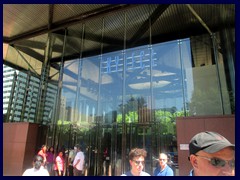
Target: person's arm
[(44, 155), (78, 158), (78, 161), (58, 166), (70, 158)]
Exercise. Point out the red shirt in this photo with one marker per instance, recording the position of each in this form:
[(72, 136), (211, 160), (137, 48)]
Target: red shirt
[(44, 155)]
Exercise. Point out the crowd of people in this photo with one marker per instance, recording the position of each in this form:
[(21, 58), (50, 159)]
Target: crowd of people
[(48, 163), (210, 154)]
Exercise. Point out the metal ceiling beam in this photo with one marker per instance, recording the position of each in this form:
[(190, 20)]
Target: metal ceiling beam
[(192, 31), (50, 16), (105, 40), (35, 55), (89, 53), (68, 22), (31, 44), (199, 19), (66, 71), (71, 42), (94, 37), (30, 52), (66, 58), (145, 26), (26, 61), (37, 45)]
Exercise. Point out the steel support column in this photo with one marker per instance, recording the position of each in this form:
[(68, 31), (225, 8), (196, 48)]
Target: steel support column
[(44, 79)]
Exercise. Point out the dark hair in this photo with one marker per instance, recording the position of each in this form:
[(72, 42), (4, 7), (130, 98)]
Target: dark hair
[(137, 152), (49, 149), (78, 146), (61, 151), (37, 161)]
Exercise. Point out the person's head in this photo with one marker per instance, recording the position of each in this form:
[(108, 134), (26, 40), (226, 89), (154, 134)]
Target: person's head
[(169, 158), (77, 147), (60, 153), (44, 148), (163, 159), (37, 161), (137, 160), (51, 149), (211, 154)]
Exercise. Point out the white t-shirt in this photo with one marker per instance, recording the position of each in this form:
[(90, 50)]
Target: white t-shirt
[(36, 172), (79, 156)]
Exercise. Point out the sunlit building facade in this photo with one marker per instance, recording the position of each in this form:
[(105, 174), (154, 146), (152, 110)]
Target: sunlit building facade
[(20, 92)]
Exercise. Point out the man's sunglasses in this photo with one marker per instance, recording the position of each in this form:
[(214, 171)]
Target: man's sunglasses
[(138, 162), (162, 159), (217, 162)]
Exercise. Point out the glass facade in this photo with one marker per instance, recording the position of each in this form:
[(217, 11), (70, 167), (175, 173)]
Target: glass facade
[(131, 98)]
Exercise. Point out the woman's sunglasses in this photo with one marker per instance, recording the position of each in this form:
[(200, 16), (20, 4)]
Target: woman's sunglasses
[(217, 162)]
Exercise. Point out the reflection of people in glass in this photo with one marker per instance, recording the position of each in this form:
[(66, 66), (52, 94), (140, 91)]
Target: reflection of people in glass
[(71, 157), (163, 169), (50, 160), (106, 161), (59, 164), (137, 161), (118, 165), (43, 152), (105, 153), (78, 163)]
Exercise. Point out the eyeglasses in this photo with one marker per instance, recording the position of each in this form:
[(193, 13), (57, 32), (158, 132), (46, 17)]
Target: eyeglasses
[(217, 162), (138, 162), (162, 159)]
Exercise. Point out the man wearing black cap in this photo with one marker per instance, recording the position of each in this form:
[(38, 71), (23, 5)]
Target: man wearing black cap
[(211, 154)]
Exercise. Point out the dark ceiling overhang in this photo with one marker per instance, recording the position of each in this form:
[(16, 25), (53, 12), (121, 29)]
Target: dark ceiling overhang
[(26, 36), (52, 27)]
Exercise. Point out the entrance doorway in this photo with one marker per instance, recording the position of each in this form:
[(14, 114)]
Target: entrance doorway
[(106, 146)]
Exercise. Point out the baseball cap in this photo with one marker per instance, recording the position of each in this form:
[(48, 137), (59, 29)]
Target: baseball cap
[(209, 142)]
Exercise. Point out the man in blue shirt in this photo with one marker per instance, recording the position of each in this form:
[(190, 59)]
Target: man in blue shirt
[(163, 169)]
